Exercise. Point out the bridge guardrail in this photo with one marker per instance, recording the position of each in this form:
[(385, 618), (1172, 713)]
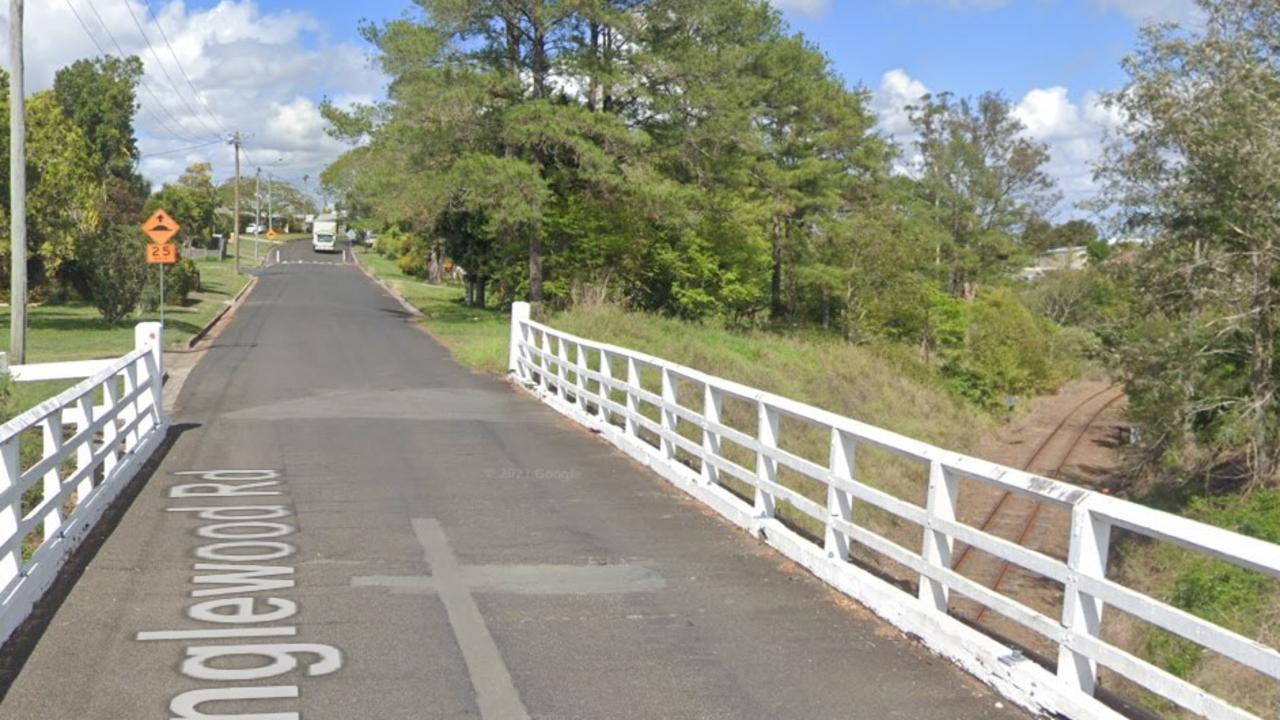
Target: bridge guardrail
[(560, 369), (94, 437)]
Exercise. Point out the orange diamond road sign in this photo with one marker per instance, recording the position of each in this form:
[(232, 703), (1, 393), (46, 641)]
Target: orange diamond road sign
[(161, 228), (271, 234)]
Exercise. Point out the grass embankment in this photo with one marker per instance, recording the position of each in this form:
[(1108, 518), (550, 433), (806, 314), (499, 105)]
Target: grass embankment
[(884, 388), (75, 330)]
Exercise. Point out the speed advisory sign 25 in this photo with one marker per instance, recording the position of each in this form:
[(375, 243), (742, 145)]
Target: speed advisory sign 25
[(161, 228)]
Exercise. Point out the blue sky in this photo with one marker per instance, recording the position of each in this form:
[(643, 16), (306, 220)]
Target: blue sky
[(262, 66)]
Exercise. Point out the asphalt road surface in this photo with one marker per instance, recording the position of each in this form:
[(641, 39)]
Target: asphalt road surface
[(349, 525)]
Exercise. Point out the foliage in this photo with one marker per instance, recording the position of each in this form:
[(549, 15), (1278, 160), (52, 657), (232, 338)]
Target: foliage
[(192, 201), (183, 278), (117, 270), (1006, 351), (692, 158), (1196, 170), (100, 97), (63, 193), (1217, 591), (986, 180)]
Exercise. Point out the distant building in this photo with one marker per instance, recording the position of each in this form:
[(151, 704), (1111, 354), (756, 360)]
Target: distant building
[(1064, 258)]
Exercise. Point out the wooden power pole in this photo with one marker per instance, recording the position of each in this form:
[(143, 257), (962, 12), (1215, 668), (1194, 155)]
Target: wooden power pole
[(17, 190), (235, 221)]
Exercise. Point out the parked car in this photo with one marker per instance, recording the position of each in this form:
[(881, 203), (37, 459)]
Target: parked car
[(252, 229)]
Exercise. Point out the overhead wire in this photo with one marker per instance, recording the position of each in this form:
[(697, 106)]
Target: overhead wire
[(185, 75), (111, 36), (172, 84), (181, 149), (159, 120)]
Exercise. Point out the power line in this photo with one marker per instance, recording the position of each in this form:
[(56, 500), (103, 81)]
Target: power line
[(185, 76), (142, 31), (102, 51), (181, 149), (143, 85)]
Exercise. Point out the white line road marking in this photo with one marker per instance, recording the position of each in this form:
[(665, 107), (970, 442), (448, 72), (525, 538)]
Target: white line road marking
[(495, 692)]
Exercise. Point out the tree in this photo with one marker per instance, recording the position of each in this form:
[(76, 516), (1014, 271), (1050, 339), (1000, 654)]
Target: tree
[(192, 201), (99, 96), (1197, 170), (63, 193), (986, 180)]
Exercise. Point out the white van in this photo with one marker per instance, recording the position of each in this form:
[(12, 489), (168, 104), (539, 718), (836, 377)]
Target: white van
[(324, 234)]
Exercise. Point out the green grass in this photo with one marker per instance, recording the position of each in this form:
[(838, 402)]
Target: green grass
[(75, 331)]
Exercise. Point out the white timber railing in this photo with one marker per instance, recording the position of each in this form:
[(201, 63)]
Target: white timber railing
[(63, 461), (577, 377)]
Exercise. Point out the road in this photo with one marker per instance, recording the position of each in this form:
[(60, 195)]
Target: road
[(349, 525)]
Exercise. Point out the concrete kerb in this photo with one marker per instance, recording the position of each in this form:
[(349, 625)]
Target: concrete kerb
[(409, 308), (231, 304)]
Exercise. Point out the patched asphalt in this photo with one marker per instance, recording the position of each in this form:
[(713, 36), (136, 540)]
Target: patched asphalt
[(463, 550)]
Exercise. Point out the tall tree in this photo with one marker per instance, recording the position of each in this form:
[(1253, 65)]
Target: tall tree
[(63, 193), (99, 96), (1197, 171), (986, 179)]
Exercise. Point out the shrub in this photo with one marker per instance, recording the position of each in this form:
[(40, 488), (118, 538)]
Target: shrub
[(117, 270), (1007, 351), (183, 279)]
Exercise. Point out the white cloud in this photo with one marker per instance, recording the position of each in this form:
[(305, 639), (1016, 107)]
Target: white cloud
[(258, 72), (897, 91), (807, 8), (1183, 12), (1073, 131)]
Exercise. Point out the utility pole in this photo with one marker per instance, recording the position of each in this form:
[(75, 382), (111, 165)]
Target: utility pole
[(235, 222), (17, 190), (257, 202), (270, 214)]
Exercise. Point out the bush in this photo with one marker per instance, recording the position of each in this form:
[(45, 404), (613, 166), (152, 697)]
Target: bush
[(1007, 351), (117, 270), (183, 279)]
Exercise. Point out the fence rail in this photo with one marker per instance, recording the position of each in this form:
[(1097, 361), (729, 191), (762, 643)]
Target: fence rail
[(63, 461), (577, 377)]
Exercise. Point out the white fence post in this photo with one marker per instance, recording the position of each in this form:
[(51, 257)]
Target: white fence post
[(51, 430), (839, 502), (766, 467), (562, 371), (581, 367), (519, 335), (712, 409), (941, 503), (606, 391), (633, 403), (10, 513), (544, 360), (669, 418), (1081, 612), (150, 335)]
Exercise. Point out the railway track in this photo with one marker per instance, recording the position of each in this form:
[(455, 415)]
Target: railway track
[(1015, 516)]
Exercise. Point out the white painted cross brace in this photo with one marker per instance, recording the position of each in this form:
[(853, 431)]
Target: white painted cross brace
[(496, 694)]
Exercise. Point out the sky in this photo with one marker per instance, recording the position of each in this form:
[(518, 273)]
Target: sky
[(262, 67)]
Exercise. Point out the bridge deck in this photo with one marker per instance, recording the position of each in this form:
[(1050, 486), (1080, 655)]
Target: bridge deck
[(441, 547)]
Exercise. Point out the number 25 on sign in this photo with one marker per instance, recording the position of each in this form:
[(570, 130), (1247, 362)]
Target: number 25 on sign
[(162, 253)]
